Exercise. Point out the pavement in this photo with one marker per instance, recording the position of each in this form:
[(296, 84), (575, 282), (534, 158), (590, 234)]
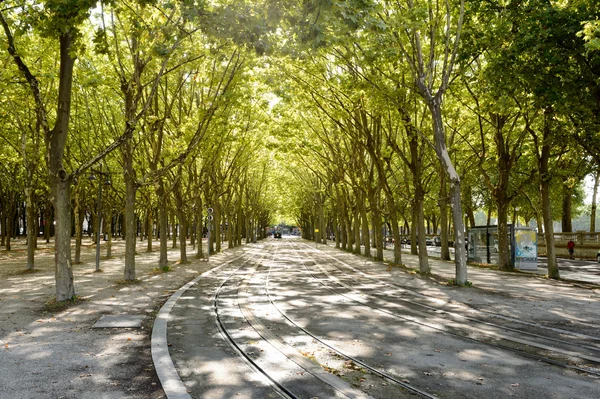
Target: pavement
[(54, 353), (577, 270)]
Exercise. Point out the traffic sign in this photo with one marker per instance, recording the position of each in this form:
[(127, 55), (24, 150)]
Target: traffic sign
[(210, 217)]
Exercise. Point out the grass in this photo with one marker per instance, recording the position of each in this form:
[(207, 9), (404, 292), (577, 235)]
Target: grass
[(452, 283), (160, 270)]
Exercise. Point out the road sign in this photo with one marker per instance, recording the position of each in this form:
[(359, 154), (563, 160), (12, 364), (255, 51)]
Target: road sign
[(316, 230), (210, 210), (210, 217)]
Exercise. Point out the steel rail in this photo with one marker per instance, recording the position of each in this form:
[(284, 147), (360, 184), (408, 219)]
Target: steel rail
[(443, 329)]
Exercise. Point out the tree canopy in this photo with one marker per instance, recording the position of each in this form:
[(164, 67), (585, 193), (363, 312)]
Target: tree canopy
[(358, 121)]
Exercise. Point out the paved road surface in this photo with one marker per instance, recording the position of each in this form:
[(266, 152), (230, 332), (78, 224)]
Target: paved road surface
[(287, 319)]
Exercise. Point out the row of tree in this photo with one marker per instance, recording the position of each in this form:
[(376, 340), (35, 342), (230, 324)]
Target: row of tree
[(519, 84), (154, 95), (360, 113)]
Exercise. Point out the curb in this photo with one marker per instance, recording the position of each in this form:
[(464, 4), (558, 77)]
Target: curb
[(163, 364)]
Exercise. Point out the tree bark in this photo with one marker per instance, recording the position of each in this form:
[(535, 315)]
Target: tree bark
[(31, 228), (443, 202), (504, 261), (60, 182), (545, 179), (130, 190), (163, 222), (78, 225), (567, 196), (435, 107), (594, 203)]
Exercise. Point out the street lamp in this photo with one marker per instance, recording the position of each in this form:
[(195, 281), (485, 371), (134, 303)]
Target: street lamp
[(99, 209)]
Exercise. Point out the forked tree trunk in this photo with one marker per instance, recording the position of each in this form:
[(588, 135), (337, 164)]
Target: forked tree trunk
[(435, 107)]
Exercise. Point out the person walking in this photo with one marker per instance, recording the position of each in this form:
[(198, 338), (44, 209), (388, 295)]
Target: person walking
[(571, 248)]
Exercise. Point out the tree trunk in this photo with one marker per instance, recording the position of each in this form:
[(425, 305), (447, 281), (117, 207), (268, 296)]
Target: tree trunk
[(435, 107), (545, 179), (422, 237), (357, 248), (443, 202), (108, 230), (47, 221), (60, 181), (594, 203), (31, 229), (78, 225), (504, 258), (130, 189), (217, 223), (365, 231), (567, 196), (149, 226), (378, 233), (182, 236), (163, 222)]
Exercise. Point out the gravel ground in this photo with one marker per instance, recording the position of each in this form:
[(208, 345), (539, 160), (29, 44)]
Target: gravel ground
[(46, 352)]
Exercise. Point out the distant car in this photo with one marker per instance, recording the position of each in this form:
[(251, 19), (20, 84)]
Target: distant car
[(429, 241), (277, 234), (598, 256), (437, 240)]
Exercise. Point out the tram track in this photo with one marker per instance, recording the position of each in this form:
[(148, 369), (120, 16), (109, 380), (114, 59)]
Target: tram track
[(465, 308), (334, 348), (381, 302), (242, 284)]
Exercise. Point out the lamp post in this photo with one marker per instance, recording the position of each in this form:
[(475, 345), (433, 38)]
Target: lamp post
[(99, 211)]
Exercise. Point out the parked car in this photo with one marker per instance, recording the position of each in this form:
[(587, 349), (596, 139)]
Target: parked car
[(437, 240), (277, 234), (429, 241)]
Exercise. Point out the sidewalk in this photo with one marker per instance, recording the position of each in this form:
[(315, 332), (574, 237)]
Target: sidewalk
[(446, 270)]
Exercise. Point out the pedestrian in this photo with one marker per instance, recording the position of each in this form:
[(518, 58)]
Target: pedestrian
[(571, 248)]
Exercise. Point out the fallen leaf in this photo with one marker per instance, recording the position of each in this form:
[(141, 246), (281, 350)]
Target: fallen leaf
[(515, 385), (427, 373)]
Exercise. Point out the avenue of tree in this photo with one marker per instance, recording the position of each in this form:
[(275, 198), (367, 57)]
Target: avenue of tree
[(348, 118)]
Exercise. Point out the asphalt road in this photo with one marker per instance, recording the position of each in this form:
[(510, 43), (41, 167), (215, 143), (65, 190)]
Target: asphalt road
[(291, 320)]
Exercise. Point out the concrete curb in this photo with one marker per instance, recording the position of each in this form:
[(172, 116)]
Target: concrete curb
[(163, 364)]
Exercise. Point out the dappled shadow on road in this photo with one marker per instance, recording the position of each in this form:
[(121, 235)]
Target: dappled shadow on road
[(347, 302)]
